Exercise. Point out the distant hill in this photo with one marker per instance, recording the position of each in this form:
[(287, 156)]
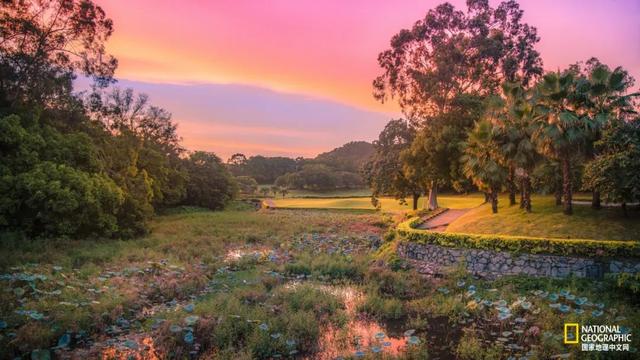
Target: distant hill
[(348, 157)]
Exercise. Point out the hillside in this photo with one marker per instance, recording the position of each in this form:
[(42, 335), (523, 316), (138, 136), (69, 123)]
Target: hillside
[(348, 157)]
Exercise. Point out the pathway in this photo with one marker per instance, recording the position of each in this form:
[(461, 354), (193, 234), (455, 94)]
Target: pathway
[(441, 221)]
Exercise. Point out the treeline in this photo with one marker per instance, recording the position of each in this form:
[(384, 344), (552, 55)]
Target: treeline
[(102, 162), (336, 169), (481, 114)]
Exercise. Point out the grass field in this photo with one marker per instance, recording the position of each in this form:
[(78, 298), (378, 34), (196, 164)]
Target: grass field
[(547, 220), (328, 194), (388, 204)]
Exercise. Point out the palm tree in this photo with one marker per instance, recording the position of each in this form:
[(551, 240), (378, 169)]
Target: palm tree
[(482, 161), (561, 130), (514, 134), (606, 102)]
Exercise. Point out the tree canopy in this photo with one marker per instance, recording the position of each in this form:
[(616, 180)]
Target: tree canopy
[(78, 165)]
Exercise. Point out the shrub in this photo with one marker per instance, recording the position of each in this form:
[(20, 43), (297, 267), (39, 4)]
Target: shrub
[(533, 245)]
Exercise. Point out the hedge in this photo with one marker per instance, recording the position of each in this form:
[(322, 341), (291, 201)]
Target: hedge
[(520, 244)]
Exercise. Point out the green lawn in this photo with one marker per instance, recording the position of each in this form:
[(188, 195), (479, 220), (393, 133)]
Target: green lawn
[(547, 220), (388, 204), (328, 194)]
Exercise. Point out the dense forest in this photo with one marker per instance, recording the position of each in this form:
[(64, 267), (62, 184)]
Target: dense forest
[(99, 162)]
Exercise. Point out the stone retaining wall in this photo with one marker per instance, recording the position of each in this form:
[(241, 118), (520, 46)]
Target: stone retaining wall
[(492, 264)]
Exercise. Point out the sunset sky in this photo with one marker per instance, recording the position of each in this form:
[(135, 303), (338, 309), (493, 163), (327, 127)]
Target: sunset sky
[(294, 77)]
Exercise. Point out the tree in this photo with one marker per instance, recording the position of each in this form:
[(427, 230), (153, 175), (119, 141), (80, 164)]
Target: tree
[(45, 43), (144, 132), (237, 159), (237, 164), (266, 169), (275, 189), (450, 55), (264, 191), (562, 131), (615, 171), (348, 157), (210, 185), (50, 184), (482, 162), (434, 156), (514, 134), (284, 192), (606, 101), (384, 172), (247, 185)]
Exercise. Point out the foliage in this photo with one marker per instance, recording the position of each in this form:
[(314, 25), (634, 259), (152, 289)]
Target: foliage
[(483, 162), (45, 43), (452, 52), (384, 172), (265, 170), (384, 309), (247, 185), (348, 157), (615, 171), (209, 184), (629, 283), (319, 177), (96, 164)]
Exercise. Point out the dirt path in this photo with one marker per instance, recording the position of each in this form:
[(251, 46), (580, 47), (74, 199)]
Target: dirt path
[(440, 222), (270, 204)]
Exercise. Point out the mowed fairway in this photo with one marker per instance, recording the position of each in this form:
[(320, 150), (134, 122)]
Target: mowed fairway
[(388, 204)]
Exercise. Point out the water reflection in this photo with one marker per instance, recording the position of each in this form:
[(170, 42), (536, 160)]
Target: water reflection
[(359, 334)]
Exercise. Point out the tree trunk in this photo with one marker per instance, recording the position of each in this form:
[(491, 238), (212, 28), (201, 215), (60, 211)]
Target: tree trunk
[(511, 186), (487, 197), (558, 195), (595, 200), (433, 196), (566, 186), (494, 201), (624, 209), (415, 201), (526, 185)]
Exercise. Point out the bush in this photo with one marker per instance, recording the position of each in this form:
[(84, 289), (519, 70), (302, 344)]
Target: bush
[(521, 244), (56, 199), (209, 183)]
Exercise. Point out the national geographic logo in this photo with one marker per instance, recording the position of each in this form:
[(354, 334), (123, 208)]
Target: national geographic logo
[(598, 337), (571, 333)]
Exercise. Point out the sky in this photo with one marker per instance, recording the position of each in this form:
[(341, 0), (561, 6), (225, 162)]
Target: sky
[(293, 78)]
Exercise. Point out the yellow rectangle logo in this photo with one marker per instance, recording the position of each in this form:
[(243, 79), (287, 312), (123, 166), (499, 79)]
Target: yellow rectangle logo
[(571, 329)]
